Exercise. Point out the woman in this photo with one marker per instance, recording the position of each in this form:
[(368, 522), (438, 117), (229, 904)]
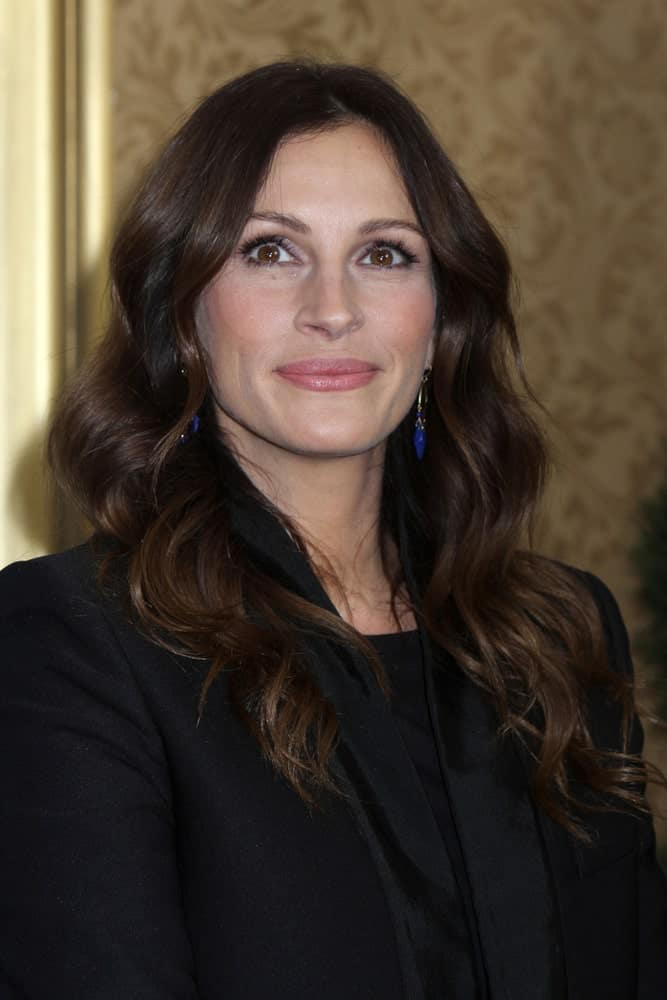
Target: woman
[(303, 719)]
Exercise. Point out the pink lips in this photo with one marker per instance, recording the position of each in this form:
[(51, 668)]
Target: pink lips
[(328, 374)]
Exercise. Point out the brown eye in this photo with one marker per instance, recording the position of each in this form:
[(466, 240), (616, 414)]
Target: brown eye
[(381, 257), (269, 253)]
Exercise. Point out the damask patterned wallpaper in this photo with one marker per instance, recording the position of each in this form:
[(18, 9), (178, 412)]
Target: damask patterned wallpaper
[(555, 112)]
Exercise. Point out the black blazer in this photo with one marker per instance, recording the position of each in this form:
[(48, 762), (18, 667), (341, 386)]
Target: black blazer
[(144, 856)]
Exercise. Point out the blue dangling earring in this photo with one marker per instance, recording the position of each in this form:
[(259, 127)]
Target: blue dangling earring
[(419, 436), (193, 427)]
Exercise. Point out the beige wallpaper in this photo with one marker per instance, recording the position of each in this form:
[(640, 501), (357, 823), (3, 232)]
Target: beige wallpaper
[(555, 112)]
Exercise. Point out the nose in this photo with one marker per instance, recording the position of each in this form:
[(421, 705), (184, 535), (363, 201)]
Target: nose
[(329, 305)]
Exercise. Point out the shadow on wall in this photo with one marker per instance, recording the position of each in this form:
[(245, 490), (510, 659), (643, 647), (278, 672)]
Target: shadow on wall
[(38, 514), (31, 498)]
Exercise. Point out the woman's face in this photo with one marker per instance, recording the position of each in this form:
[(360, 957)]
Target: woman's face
[(320, 325)]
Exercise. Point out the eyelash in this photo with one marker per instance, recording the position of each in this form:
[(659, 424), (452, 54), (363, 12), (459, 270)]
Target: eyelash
[(253, 244), (399, 246), (246, 248)]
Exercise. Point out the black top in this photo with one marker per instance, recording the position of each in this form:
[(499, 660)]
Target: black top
[(144, 855), (402, 657)]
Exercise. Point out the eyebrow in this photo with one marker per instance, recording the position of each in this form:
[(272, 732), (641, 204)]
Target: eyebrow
[(372, 226), (376, 224)]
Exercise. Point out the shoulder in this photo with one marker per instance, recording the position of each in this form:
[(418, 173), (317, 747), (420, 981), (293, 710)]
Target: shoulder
[(64, 633), (610, 616), (60, 629), (76, 673), (56, 595), (61, 586), (48, 582), (607, 697)]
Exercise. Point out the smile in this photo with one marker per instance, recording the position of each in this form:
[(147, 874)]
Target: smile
[(328, 375)]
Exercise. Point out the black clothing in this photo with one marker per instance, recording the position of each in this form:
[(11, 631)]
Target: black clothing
[(146, 857), (402, 657)]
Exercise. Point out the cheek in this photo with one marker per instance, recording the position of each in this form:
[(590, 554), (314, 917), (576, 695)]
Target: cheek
[(235, 330), (411, 316)]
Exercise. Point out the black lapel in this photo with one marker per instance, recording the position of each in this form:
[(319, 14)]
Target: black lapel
[(500, 840)]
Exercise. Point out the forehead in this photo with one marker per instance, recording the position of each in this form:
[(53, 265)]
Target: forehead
[(350, 167)]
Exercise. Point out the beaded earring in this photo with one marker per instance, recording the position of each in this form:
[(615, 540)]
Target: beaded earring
[(193, 427), (419, 436)]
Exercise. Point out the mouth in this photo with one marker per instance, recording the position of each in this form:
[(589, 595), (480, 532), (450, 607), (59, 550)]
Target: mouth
[(328, 374)]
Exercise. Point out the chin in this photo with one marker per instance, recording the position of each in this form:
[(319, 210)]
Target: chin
[(335, 447)]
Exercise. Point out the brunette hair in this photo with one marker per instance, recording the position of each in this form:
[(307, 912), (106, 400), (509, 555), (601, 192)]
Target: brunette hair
[(523, 628)]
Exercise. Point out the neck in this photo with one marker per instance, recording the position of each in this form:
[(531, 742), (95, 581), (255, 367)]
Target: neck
[(335, 505)]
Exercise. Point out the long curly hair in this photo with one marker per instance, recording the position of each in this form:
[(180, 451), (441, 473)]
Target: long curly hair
[(523, 628)]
